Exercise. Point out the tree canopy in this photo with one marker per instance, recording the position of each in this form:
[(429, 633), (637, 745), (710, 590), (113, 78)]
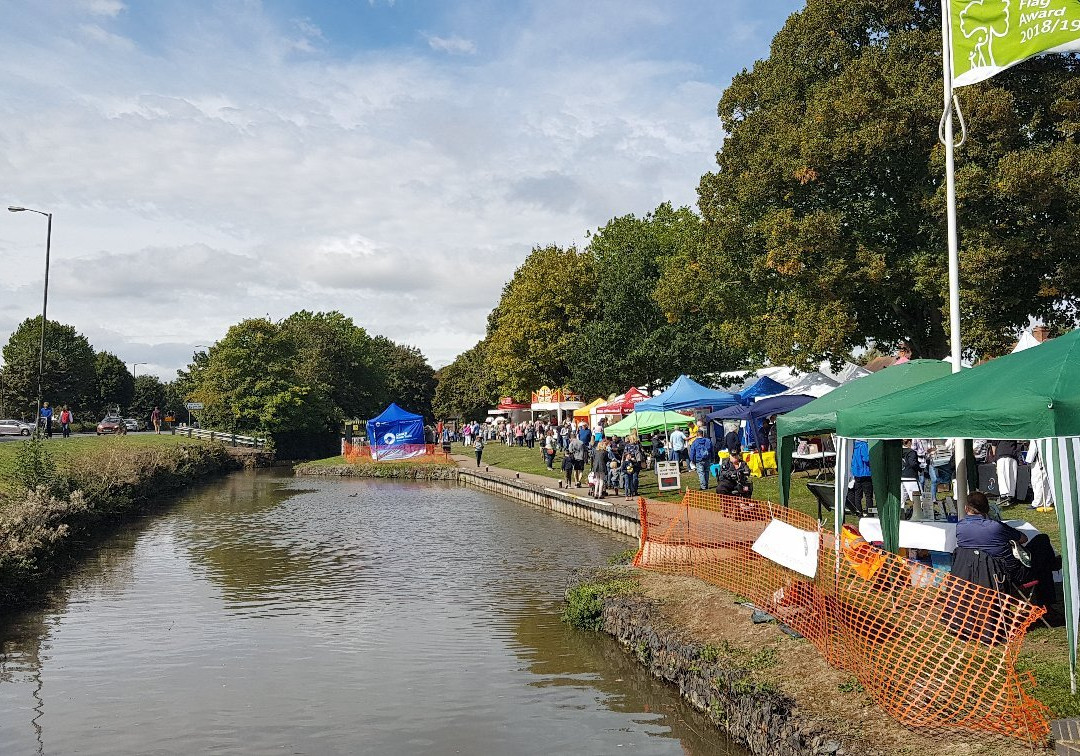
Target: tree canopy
[(631, 339), (68, 377), (115, 386), (542, 310), (467, 387), (824, 221)]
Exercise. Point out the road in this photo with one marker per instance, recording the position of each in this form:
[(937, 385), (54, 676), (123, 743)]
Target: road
[(58, 437)]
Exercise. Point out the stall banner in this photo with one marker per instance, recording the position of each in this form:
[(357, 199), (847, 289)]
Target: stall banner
[(989, 36)]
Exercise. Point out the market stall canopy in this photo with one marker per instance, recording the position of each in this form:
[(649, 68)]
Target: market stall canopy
[(814, 384), (763, 386), (396, 434), (584, 413), (819, 416), (624, 404), (1034, 393), (773, 405), (647, 421), (686, 393), (1030, 394)]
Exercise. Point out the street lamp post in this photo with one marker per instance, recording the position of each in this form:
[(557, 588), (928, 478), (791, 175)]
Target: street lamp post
[(44, 307)]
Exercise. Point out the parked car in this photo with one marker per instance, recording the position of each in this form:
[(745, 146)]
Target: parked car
[(110, 424), (15, 428), (132, 424)]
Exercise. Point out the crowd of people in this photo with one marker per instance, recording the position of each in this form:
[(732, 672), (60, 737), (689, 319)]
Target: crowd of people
[(613, 463), (927, 465)]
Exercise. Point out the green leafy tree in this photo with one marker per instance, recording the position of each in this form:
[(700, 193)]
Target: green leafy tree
[(115, 386), (250, 382), (149, 392), (339, 362), (825, 224), (631, 341), (69, 370), (410, 380), (467, 387), (542, 310)]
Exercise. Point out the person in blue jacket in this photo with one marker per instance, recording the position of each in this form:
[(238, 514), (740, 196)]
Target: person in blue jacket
[(861, 483), (701, 456)]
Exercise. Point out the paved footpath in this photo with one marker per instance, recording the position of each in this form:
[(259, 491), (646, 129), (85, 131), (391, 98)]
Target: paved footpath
[(613, 502)]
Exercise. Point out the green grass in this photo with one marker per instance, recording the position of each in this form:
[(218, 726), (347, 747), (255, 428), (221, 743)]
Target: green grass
[(65, 451)]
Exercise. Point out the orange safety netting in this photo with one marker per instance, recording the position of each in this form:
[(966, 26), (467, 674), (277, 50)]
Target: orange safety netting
[(403, 452), (934, 651)]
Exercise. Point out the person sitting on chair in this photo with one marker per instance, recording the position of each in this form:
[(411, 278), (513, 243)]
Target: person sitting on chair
[(734, 477), (978, 531)]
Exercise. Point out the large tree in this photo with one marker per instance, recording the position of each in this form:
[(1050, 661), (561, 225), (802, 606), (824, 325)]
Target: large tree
[(631, 341), (467, 387), (68, 376), (338, 359), (115, 386), (825, 219), (542, 310), (149, 392), (410, 380), (250, 381)]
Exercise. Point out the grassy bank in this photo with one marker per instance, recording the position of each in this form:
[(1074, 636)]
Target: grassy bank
[(55, 494), (406, 469)]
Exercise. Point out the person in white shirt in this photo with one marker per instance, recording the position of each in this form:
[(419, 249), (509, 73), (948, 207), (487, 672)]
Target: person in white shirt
[(677, 440)]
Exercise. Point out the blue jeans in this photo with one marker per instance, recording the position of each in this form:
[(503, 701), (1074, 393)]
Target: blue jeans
[(630, 484), (703, 474), (943, 474)]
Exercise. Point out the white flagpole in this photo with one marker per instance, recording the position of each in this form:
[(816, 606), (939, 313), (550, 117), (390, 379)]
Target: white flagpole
[(954, 256)]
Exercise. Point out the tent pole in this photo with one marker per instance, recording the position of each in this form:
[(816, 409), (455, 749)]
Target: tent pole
[(954, 255)]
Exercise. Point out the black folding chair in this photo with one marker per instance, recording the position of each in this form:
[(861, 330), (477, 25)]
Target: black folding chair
[(823, 493)]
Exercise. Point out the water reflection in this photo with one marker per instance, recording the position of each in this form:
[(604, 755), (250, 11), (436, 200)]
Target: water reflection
[(263, 613)]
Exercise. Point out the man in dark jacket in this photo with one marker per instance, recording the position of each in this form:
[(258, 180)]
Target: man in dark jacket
[(734, 477)]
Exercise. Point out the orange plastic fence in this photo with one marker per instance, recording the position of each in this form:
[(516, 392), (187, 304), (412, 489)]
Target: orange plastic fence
[(411, 452), (934, 651)]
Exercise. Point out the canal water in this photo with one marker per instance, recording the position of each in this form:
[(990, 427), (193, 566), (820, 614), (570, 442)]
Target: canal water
[(264, 614)]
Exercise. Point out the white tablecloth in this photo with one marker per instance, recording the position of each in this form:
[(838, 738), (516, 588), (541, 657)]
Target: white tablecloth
[(933, 536)]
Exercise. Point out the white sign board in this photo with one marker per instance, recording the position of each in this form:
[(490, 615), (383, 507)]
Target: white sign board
[(789, 546), (667, 476), (194, 405)]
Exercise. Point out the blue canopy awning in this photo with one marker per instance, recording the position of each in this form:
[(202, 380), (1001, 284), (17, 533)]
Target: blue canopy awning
[(763, 386), (773, 405), (686, 393)]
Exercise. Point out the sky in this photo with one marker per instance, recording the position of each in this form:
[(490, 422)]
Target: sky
[(396, 160)]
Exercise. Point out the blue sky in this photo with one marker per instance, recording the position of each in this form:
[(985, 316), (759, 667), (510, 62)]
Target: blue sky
[(211, 161)]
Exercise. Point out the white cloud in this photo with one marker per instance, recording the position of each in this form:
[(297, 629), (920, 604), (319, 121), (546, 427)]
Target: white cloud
[(454, 45), (218, 170), (104, 7)]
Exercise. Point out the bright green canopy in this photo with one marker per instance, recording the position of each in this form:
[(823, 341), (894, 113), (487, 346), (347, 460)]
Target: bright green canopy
[(1030, 394), (819, 416), (647, 422)]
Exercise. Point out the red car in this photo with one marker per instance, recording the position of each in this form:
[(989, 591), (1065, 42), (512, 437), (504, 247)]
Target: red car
[(110, 424)]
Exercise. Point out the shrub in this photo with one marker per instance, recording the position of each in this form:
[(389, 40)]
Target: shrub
[(584, 607)]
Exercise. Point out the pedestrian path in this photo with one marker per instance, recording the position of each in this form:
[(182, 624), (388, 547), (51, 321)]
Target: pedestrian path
[(616, 503)]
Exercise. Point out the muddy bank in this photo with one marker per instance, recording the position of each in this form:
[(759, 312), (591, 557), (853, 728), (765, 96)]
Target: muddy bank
[(770, 691)]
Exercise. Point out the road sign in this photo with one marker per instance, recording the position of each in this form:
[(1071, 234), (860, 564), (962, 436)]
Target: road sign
[(194, 405)]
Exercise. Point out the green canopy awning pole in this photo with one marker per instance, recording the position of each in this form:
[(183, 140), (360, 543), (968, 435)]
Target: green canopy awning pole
[(885, 471), (783, 466)]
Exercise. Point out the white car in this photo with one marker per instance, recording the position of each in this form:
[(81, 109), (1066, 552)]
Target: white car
[(15, 428)]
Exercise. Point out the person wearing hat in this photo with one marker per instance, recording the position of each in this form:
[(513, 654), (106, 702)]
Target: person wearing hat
[(701, 456), (734, 477)]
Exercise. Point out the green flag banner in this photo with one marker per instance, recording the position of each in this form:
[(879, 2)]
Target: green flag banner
[(988, 36)]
